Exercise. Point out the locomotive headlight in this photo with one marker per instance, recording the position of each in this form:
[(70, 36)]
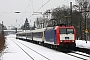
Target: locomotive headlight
[(61, 41), (72, 40)]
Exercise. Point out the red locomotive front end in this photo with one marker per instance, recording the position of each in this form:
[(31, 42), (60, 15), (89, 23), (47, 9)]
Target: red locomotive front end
[(66, 36)]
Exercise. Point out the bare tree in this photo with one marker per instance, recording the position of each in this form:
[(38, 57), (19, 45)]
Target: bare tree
[(83, 6)]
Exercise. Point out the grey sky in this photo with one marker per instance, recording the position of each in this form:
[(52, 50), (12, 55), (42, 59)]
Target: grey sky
[(26, 7)]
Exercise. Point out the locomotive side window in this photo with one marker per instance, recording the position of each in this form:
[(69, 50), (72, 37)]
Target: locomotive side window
[(66, 31)]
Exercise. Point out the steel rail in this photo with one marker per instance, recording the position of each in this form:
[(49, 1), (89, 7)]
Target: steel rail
[(24, 50), (34, 50)]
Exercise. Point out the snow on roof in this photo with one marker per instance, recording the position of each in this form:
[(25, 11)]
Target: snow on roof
[(29, 31)]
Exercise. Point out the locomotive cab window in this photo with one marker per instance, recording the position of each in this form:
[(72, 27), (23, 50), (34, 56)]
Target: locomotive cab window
[(70, 31), (62, 31), (66, 31)]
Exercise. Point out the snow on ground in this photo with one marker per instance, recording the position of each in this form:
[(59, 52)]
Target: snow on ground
[(83, 44), (13, 52)]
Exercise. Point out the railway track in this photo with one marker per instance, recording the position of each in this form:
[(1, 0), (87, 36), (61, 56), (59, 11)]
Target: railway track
[(80, 55), (87, 51), (84, 50), (26, 49)]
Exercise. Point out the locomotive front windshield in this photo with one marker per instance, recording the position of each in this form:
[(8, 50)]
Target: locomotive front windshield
[(66, 31)]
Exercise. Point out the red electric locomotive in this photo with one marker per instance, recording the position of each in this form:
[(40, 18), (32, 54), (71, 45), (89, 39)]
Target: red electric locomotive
[(61, 36)]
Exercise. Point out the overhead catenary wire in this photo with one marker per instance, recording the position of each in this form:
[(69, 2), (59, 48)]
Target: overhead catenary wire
[(43, 6), (32, 5), (39, 8), (32, 8), (42, 2), (27, 7)]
